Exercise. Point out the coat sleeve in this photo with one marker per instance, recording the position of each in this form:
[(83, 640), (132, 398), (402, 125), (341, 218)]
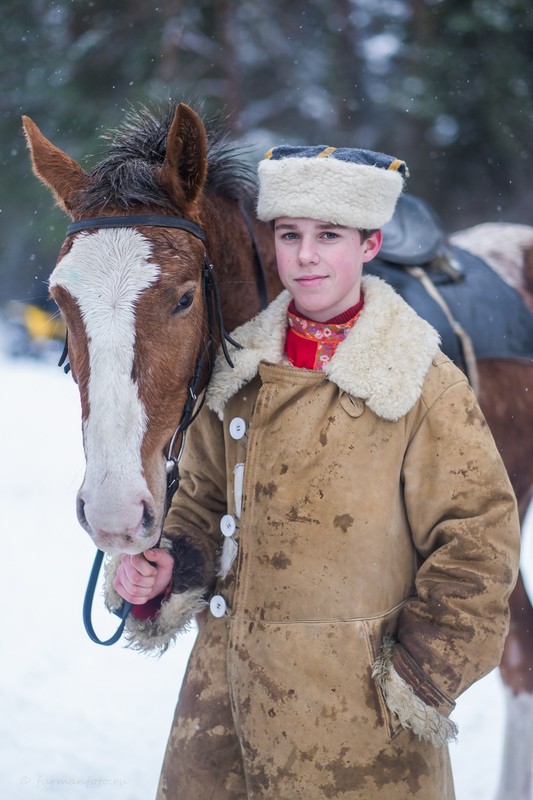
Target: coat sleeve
[(464, 522), (191, 534)]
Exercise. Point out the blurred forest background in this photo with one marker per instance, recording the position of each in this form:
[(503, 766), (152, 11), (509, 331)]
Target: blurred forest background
[(444, 84)]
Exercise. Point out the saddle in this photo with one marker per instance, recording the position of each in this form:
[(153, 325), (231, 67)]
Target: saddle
[(451, 288), (414, 235)]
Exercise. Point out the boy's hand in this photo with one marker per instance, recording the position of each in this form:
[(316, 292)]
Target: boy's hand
[(138, 581)]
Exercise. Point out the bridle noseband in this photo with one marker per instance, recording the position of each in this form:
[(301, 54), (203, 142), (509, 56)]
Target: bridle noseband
[(205, 360)]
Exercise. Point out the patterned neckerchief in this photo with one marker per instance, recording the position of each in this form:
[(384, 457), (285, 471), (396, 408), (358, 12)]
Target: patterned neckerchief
[(320, 338)]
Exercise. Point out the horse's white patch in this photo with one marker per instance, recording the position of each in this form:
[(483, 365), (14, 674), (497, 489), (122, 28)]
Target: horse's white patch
[(106, 272), (502, 245)]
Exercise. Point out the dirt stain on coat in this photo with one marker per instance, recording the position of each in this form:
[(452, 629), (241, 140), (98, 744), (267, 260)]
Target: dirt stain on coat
[(278, 560), (295, 516), (269, 490), (344, 522), (390, 768)]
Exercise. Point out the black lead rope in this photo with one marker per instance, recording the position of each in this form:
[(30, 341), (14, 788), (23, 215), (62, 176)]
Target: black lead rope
[(215, 323), (88, 605)]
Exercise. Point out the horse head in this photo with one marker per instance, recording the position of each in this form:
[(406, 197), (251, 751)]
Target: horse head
[(132, 299)]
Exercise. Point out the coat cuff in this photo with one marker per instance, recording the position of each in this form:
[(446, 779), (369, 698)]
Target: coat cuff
[(175, 617), (392, 670), (194, 565), (158, 633)]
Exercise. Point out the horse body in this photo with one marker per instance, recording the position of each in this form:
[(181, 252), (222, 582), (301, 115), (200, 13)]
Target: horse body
[(133, 302)]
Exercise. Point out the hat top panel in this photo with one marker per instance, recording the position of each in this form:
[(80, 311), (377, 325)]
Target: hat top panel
[(350, 155)]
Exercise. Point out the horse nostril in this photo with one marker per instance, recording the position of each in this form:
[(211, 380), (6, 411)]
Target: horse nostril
[(148, 517), (80, 510)]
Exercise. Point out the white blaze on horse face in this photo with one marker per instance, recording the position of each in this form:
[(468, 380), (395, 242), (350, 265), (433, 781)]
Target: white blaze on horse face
[(106, 272)]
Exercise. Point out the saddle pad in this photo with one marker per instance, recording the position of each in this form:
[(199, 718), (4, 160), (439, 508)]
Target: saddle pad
[(414, 234), (491, 312)]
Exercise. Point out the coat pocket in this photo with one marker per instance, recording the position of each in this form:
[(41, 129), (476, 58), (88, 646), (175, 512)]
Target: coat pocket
[(289, 678)]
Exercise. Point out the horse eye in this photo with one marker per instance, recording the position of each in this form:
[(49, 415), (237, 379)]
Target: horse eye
[(184, 302)]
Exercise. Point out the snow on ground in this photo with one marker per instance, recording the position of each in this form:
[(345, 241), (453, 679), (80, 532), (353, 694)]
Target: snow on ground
[(83, 721)]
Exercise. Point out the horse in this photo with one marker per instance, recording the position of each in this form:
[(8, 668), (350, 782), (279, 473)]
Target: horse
[(505, 387), (134, 284), (134, 304)]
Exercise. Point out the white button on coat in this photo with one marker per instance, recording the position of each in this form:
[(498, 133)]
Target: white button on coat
[(237, 428), (228, 526), (217, 606)]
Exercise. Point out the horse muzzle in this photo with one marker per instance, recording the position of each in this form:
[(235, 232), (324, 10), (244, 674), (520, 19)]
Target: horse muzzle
[(119, 525)]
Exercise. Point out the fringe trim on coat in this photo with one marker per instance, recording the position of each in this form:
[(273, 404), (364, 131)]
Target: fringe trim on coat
[(155, 635), (425, 721)]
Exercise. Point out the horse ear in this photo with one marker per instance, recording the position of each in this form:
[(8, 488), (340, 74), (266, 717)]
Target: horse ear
[(185, 166), (53, 167)]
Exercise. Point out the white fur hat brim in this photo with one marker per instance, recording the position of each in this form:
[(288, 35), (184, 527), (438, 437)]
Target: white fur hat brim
[(343, 193)]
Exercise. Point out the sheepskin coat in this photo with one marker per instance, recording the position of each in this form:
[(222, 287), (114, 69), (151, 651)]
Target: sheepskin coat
[(359, 535)]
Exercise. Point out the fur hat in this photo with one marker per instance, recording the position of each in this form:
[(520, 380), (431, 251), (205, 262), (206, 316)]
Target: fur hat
[(344, 186)]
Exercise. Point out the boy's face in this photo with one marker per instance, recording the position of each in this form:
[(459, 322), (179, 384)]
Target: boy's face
[(321, 264)]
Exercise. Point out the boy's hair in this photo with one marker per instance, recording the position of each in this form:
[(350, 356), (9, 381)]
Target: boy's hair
[(367, 232)]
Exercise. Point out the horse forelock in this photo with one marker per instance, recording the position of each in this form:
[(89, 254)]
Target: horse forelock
[(127, 177)]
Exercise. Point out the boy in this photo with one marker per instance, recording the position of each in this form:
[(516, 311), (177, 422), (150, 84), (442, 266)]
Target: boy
[(346, 515)]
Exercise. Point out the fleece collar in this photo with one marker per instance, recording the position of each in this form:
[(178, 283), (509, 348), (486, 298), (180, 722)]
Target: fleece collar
[(383, 361)]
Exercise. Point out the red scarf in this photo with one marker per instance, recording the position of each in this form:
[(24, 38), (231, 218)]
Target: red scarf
[(311, 344)]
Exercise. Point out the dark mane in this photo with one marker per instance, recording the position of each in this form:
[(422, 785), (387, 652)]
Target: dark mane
[(126, 176)]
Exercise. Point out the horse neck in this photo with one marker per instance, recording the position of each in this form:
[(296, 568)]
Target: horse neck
[(231, 249)]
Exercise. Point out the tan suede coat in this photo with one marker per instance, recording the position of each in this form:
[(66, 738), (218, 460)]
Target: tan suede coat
[(366, 584)]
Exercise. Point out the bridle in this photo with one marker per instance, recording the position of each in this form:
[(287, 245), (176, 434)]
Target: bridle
[(216, 333)]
